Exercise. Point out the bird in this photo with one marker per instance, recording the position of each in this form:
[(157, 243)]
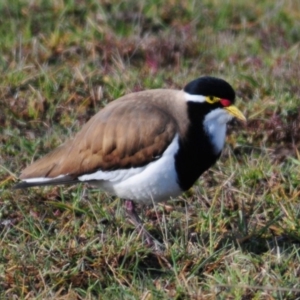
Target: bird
[(145, 147)]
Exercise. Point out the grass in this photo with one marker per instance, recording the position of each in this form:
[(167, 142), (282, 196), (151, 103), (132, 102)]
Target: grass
[(235, 235)]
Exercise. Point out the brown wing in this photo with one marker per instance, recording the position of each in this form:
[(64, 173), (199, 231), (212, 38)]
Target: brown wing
[(124, 134)]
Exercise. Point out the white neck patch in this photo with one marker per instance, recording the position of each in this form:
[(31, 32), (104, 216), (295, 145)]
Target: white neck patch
[(194, 98), (215, 125)]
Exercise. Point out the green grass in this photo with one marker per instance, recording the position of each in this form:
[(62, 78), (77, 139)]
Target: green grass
[(235, 235)]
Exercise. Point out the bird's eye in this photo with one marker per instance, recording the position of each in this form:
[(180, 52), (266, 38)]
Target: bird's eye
[(211, 99)]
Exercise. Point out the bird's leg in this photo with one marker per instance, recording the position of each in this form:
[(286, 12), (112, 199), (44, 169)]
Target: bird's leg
[(133, 216)]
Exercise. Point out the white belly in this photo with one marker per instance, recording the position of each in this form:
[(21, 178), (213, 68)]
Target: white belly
[(156, 181)]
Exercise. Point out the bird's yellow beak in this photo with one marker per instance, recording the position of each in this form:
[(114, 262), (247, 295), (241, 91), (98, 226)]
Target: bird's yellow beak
[(235, 112)]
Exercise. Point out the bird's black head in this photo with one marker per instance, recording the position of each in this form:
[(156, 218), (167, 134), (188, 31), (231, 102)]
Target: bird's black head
[(211, 87), (209, 94)]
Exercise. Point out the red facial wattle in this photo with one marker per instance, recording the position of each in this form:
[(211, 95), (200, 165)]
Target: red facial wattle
[(225, 102)]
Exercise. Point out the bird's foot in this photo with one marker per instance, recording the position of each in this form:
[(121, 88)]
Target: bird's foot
[(134, 217)]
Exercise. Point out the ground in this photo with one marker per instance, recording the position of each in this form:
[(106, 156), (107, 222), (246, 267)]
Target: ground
[(236, 234)]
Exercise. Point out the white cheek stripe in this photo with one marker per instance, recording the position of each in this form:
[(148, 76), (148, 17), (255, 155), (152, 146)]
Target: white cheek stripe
[(194, 98)]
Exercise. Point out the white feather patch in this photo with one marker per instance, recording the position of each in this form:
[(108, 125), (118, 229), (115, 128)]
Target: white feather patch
[(215, 125), (43, 179), (194, 98)]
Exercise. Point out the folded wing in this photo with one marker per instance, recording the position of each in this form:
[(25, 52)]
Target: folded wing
[(123, 135)]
